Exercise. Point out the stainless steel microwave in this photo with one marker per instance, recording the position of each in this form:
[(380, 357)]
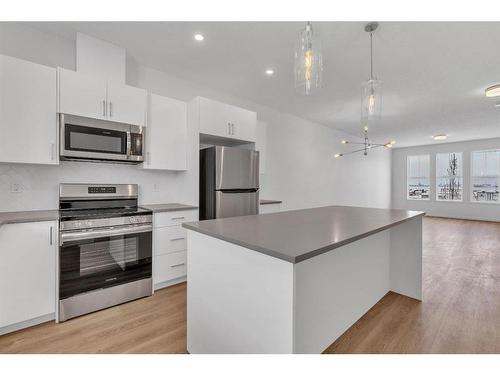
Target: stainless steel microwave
[(86, 139)]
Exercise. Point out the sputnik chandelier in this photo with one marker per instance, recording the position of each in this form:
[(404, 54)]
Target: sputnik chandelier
[(370, 104), (367, 145)]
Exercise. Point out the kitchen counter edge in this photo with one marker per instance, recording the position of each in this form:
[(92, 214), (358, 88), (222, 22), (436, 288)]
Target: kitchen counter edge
[(16, 217), (167, 207)]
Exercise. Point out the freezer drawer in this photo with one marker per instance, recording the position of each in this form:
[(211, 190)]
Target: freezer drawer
[(228, 204), (236, 168)]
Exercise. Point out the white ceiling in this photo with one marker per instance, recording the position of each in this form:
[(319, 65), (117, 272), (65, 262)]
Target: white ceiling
[(434, 74)]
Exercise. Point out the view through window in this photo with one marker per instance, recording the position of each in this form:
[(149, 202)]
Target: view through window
[(449, 182), (485, 176), (418, 177)]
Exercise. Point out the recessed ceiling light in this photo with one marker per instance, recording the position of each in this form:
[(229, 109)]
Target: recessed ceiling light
[(440, 137), (497, 104), (492, 91), (269, 72), (336, 156), (198, 37)]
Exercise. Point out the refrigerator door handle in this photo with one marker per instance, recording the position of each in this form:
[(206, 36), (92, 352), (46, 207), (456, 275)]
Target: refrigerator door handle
[(238, 191)]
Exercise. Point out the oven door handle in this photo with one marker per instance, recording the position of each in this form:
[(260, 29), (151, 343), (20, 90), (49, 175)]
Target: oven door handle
[(84, 235)]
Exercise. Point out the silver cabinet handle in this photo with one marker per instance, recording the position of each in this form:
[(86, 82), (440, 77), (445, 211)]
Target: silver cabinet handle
[(110, 109), (229, 128), (51, 236), (148, 157), (178, 239), (178, 218), (52, 151), (232, 129), (178, 265), (104, 108)]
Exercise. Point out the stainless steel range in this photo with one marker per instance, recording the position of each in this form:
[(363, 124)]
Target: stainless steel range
[(105, 253)]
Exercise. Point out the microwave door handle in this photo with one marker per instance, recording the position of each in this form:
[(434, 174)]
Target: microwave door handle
[(129, 145), (85, 235)]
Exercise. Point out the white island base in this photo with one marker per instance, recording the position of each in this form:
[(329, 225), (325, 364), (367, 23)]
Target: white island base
[(243, 301)]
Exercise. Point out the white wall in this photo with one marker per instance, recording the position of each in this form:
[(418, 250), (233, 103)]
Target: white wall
[(301, 169), (462, 210)]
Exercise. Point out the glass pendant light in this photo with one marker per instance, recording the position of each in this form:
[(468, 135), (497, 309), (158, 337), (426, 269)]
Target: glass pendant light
[(308, 62), (371, 89)]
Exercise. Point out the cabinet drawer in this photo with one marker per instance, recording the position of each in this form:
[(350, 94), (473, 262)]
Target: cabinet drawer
[(169, 239), (170, 266), (166, 219)]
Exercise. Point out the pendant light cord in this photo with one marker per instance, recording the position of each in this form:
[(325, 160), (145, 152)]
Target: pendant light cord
[(371, 55)]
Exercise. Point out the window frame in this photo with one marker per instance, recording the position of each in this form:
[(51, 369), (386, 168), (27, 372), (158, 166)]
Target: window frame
[(471, 183), (408, 198), (439, 177)]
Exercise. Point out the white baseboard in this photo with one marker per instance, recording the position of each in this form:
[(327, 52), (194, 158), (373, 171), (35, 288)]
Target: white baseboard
[(26, 323), (170, 282)]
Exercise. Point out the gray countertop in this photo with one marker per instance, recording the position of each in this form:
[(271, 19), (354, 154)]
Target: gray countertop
[(298, 235), (165, 207), (47, 215), (28, 216), (269, 201)]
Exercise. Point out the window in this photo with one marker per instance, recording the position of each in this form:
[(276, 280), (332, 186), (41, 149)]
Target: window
[(485, 177), (449, 181), (418, 177)]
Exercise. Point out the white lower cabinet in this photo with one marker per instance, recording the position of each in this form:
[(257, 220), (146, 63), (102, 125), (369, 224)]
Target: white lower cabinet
[(170, 239), (172, 218), (170, 266), (27, 274), (170, 246)]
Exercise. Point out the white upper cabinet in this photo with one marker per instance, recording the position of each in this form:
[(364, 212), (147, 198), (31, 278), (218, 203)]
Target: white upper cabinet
[(84, 95), (27, 272), (28, 118), (166, 134), (243, 123), (81, 95), (126, 104), (224, 120), (213, 118)]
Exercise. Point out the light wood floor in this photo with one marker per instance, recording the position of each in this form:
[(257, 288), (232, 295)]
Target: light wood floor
[(460, 312)]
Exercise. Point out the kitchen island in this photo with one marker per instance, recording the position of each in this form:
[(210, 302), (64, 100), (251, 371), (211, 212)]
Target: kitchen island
[(294, 281)]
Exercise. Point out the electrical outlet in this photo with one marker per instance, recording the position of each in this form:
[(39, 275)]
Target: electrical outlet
[(16, 187)]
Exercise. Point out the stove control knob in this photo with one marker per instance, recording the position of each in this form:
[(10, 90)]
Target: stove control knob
[(88, 223), (132, 220)]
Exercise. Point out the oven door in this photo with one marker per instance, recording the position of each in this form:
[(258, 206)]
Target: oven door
[(93, 142), (91, 260)]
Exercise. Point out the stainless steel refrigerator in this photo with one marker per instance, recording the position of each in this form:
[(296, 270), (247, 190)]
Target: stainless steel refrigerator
[(229, 182)]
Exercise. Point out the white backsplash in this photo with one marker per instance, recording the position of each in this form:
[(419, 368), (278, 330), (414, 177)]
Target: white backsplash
[(40, 183)]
